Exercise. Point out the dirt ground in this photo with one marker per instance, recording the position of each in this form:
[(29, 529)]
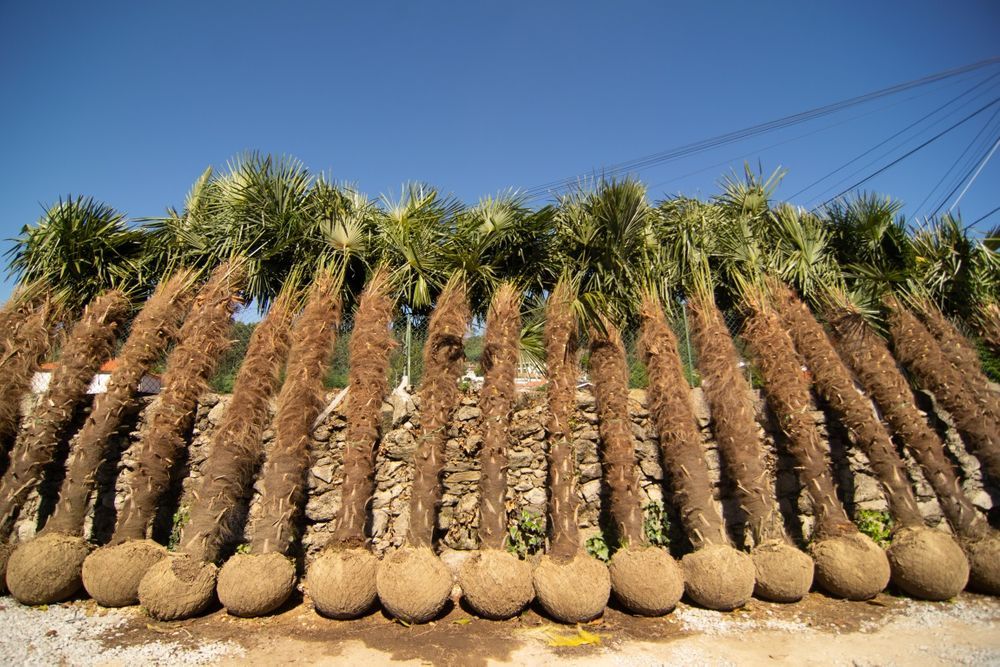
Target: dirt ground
[(817, 631)]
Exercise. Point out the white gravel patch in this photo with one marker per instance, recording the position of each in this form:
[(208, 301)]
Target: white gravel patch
[(926, 615), (709, 622), (66, 634)]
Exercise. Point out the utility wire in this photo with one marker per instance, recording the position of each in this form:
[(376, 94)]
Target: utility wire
[(975, 175), (909, 153), (965, 176), (729, 137), (982, 217)]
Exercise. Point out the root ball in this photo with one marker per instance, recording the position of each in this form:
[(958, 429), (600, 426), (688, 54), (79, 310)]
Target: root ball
[(177, 587), (573, 591), (927, 564), (783, 573), (341, 583), (46, 569), (413, 584), (112, 574), (850, 566), (984, 563), (646, 580), (255, 584), (718, 577), (496, 584)]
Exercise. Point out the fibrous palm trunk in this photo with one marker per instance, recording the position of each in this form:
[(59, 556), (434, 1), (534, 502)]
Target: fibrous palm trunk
[(341, 581), (27, 338), (916, 348), (259, 582), (47, 569), (184, 584), (783, 573), (715, 575), (848, 564), (90, 342), (570, 584), (112, 573), (412, 582), (868, 356), (924, 563)]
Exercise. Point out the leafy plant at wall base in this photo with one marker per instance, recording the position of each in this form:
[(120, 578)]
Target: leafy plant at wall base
[(597, 547), (181, 517), (656, 525), (526, 536), (875, 524)]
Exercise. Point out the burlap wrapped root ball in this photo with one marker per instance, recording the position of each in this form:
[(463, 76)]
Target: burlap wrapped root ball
[(47, 569), (496, 584), (573, 591), (112, 574), (927, 564), (413, 584), (718, 577), (782, 572), (646, 580), (178, 587), (984, 563), (850, 566), (5, 551), (252, 585), (341, 583)]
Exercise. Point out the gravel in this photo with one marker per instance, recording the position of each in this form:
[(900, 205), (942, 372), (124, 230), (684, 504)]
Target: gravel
[(68, 634), (707, 622)]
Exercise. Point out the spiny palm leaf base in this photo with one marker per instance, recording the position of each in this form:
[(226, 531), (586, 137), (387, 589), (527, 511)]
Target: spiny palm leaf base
[(112, 574), (718, 577), (783, 573), (573, 591), (178, 587), (47, 569), (646, 580), (927, 564), (413, 584), (984, 563), (850, 566), (252, 585), (496, 584), (341, 582)]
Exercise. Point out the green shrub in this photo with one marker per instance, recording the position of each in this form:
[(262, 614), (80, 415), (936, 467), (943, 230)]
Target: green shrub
[(526, 536), (656, 525), (875, 524), (597, 547)]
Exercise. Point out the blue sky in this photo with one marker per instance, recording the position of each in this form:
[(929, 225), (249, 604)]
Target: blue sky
[(130, 101)]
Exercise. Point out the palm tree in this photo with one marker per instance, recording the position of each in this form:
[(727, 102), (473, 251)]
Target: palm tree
[(47, 569), (112, 573), (27, 335)]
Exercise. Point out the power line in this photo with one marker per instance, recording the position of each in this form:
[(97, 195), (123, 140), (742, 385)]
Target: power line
[(982, 217), (729, 137), (965, 175), (909, 153), (975, 175)]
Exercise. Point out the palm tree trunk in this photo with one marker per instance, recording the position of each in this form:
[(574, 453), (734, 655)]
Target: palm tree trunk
[(237, 447), (299, 403), (153, 329), (680, 437), (500, 356), (444, 355), (370, 347), (917, 349), (203, 338), (28, 340), (733, 421), (560, 356), (837, 387), (90, 342), (868, 356)]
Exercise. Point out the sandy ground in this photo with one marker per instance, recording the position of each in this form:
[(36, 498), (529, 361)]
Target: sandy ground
[(817, 631)]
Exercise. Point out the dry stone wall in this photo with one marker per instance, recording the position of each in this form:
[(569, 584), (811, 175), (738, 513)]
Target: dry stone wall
[(458, 519)]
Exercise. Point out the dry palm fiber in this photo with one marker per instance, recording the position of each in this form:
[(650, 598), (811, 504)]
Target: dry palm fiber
[(868, 356), (571, 585), (259, 582), (496, 584), (153, 328), (413, 583), (987, 322), (936, 573), (646, 583), (90, 343), (183, 585), (111, 574), (848, 564), (26, 341), (718, 577), (916, 348), (964, 358), (341, 581)]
